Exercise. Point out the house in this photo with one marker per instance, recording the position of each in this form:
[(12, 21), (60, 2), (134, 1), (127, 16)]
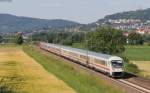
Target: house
[(143, 30)]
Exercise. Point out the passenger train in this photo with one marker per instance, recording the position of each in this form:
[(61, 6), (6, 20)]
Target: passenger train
[(110, 65)]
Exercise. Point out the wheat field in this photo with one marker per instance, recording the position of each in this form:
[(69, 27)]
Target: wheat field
[(21, 74), (144, 66)]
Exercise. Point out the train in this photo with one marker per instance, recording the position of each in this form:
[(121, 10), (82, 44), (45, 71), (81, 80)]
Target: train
[(112, 66)]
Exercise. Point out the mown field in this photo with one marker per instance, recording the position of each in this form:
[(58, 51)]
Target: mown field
[(144, 66), (19, 73), (80, 80)]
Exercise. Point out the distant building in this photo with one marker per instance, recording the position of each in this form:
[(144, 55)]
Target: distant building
[(126, 21), (125, 24), (140, 31), (126, 34), (143, 30)]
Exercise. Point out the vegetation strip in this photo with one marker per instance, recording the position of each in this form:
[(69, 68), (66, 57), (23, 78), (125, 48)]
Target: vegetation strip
[(79, 80)]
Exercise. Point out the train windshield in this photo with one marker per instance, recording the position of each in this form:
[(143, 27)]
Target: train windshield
[(116, 64)]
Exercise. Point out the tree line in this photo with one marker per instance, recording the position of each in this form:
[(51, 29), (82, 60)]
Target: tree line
[(103, 40), (14, 38), (64, 38)]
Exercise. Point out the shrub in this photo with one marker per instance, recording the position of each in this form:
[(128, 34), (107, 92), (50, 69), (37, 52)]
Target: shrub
[(131, 68), (148, 43)]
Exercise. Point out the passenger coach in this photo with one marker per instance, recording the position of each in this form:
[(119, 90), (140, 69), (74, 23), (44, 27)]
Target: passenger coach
[(111, 65)]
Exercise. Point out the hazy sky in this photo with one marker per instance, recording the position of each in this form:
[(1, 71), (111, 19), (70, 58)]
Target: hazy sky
[(84, 11)]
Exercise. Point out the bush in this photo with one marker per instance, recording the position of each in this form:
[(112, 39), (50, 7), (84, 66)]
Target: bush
[(66, 42), (124, 58), (148, 43), (131, 68)]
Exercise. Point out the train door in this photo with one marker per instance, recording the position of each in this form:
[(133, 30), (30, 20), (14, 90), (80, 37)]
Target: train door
[(87, 60), (110, 68), (91, 61)]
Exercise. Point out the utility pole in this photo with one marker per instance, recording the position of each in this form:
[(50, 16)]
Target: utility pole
[(59, 43), (86, 45), (31, 39)]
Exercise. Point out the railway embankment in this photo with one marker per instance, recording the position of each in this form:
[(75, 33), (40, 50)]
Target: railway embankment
[(79, 79)]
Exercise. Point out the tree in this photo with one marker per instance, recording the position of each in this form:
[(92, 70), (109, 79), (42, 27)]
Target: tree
[(146, 38), (1, 39), (67, 41), (106, 40), (77, 37), (19, 38), (135, 39)]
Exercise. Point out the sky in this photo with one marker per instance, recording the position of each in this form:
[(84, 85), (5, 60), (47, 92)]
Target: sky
[(82, 11)]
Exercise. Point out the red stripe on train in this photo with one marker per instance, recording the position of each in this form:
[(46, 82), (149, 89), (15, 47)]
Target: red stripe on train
[(101, 66)]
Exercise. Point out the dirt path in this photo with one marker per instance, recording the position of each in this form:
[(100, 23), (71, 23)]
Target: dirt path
[(23, 74)]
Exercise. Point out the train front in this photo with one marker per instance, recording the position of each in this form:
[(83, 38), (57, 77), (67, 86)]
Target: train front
[(116, 66)]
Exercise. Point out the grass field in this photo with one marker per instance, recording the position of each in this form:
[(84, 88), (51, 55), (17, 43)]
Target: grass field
[(19, 73), (138, 53), (78, 79)]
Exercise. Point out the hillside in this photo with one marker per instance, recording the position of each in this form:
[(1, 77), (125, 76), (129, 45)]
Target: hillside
[(142, 15), (11, 23), (138, 14)]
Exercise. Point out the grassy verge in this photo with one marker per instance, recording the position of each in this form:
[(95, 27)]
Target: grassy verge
[(79, 80)]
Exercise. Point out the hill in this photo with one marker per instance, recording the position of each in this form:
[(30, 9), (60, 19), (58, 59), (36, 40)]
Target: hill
[(142, 15), (11, 23)]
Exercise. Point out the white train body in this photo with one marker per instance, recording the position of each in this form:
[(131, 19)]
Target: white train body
[(112, 65)]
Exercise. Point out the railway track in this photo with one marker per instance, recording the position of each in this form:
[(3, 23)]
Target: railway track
[(136, 87), (127, 86)]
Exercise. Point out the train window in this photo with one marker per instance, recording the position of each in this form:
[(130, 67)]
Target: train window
[(65, 52), (98, 61), (83, 57), (57, 49), (73, 54), (116, 64)]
